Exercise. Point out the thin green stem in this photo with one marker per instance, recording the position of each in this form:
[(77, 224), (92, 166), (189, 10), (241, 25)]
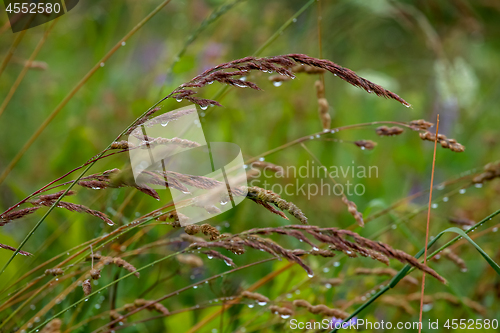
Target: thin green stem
[(75, 89), (408, 269)]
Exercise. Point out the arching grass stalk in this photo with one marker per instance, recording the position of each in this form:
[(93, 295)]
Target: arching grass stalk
[(75, 89), (268, 42), (407, 269), (205, 24)]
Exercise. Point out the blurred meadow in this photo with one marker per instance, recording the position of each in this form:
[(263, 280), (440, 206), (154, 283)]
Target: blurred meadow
[(443, 57)]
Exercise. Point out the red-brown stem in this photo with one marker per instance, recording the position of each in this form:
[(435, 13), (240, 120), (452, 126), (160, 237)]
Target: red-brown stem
[(427, 228)]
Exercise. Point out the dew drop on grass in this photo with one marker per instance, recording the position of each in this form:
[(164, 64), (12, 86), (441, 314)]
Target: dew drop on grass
[(285, 316), (178, 100), (294, 20), (326, 270), (311, 137), (462, 191), (251, 305), (463, 270), (223, 202), (262, 303), (195, 287), (277, 84), (102, 64), (317, 135), (445, 199), (210, 257), (328, 286), (426, 307), (297, 291), (434, 205), (123, 43), (478, 185), (336, 264), (164, 124), (495, 229), (310, 275), (261, 159), (204, 107), (315, 249)]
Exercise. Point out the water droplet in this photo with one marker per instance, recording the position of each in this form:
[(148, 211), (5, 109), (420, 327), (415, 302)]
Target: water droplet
[(251, 305), (285, 316), (326, 270), (297, 291), (102, 64), (277, 84), (495, 229), (178, 100), (110, 223), (164, 124), (86, 299), (311, 137), (336, 264), (289, 295), (427, 307), (97, 306), (294, 20), (261, 159), (440, 187), (434, 205), (209, 256), (32, 307), (335, 74), (186, 192), (463, 270), (445, 199), (243, 78), (223, 202), (438, 256), (204, 107), (37, 319), (462, 191), (214, 330), (227, 262), (394, 226), (123, 43), (262, 303), (328, 286), (407, 105), (317, 135), (478, 185), (195, 287), (315, 249), (310, 275)]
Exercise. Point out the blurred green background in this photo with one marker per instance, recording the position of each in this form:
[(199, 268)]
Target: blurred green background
[(440, 56)]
